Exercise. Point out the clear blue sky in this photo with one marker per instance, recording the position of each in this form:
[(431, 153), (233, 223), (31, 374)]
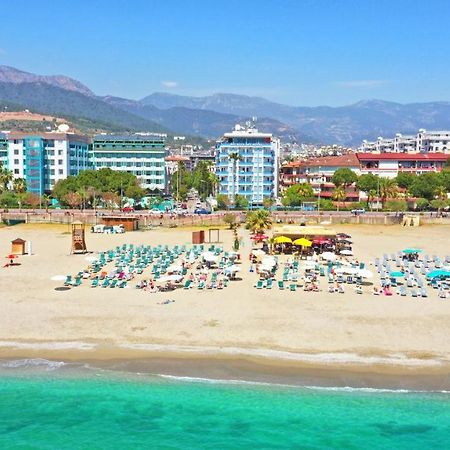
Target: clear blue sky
[(300, 52)]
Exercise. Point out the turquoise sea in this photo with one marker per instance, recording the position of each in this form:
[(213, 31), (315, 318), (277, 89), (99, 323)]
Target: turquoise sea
[(93, 409)]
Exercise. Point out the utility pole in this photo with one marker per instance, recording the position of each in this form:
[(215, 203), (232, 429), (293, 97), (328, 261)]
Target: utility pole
[(320, 188)]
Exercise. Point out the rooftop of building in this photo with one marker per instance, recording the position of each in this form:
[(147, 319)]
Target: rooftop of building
[(50, 135), (402, 157), (248, 131), (128, 137), (176, 158), (349, 160)]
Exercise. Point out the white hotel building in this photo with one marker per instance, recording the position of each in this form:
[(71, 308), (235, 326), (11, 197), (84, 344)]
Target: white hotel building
[(423, 142), (254, 173), (43, 159)]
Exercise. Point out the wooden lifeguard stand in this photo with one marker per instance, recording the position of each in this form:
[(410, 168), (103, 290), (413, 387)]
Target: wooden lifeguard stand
[(18, 247), (78, 241)]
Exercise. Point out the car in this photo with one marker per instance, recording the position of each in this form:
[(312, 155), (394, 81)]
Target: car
[(201, 211), (358, 211), (127, 209)]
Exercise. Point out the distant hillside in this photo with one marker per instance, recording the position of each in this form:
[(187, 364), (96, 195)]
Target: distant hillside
[(345, 125), (197, 121), (46, 98)]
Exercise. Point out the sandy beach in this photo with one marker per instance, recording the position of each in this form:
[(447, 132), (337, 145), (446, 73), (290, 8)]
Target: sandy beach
[(285, 329)]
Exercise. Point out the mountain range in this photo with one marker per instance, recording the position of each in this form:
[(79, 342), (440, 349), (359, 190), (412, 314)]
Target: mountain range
[(210, 116)]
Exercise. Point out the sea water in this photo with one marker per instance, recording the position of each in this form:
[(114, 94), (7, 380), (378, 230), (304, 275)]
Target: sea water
[(49, 407)]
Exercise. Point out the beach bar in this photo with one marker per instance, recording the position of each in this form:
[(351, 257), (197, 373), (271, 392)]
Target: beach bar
[(129, 223), (309, 232)]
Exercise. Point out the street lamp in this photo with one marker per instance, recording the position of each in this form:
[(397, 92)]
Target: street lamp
[(320, 186)]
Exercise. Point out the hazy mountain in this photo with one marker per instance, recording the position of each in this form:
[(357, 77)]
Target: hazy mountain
[(50, 99), (348, 125), (201, 122), (210, 116), (12, 75)]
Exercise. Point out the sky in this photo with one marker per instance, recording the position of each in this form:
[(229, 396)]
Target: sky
[(298, 52)]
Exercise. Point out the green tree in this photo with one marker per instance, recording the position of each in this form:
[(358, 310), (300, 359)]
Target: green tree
[(441, 193), (73, 199), (223, 202), (180, 182), (33, 200), (268, 202), (240, 202), (425, 185), (258, 221), (235, 157), (6, 177), (230, 220), (339, 195), (405, 180), (135, 192), (203, 180), (19, 185), (344, 177), (296, 194), (396, 205), (422, 203), (388, 189), (439, 204), (368, 183)]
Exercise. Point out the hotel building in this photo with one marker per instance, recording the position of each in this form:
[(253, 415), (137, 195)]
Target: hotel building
[(247, 164), (3, 150), (43, 159), (140, 154)]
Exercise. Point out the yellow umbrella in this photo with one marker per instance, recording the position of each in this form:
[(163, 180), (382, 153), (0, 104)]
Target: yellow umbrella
[(303, 242), (282, 240)]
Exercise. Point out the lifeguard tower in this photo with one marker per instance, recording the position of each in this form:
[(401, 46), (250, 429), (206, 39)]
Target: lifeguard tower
[(78, 241)]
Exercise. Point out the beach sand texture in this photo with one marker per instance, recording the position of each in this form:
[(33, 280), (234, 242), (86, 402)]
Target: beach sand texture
[(237, 320)]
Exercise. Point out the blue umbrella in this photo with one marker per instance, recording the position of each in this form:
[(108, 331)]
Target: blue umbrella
[(409, 251), (438, 273), (397, 274)]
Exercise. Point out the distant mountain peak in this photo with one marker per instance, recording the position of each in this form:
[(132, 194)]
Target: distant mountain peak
[(12, 75)]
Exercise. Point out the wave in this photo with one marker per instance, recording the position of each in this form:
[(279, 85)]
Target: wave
[(71, 345), (295, 386), (33, 363)]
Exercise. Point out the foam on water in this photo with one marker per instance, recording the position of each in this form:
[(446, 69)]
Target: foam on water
[(32, 363)]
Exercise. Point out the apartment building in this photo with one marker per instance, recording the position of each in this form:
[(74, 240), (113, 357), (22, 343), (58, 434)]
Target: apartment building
[(247, 164), (43, 159), (143, 155)]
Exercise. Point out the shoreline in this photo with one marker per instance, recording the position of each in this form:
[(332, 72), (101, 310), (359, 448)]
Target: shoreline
[(232, 365)]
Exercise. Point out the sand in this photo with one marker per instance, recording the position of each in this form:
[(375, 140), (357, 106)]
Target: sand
[(239, 322)]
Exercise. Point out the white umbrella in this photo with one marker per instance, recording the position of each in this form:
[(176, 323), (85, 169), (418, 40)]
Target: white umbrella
[(209, 256), (58, 278), (347, 252), (258, 252), (171, 278), (91, 258), (233, 269), (364, 273), (328, 256), (175, 268), (348, 270)]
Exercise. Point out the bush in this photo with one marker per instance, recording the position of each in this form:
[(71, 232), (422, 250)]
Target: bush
[(396, 205)]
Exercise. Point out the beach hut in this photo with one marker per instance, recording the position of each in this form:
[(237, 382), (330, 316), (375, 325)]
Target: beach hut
[(18, 246)]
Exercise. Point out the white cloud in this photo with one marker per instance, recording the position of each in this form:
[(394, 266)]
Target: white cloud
[(169, 84), (361, 83)]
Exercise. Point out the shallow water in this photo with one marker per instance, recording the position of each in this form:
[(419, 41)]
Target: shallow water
[(47, 406)]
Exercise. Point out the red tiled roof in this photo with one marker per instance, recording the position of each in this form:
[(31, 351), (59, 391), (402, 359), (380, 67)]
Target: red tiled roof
[(402, 157), (349, 160), (177, 158)]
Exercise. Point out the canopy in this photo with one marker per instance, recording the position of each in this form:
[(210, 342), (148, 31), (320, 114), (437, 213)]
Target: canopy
[(175, 268), (282, 240), (209, 256), (347, 252), (259, 237), (303, 242), (232, 269), (438, 273), (258, 252), (321, 241), (409, 251)]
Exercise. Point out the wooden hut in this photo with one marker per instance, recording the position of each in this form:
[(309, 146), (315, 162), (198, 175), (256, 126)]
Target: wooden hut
[(130, 223), (18, 247)]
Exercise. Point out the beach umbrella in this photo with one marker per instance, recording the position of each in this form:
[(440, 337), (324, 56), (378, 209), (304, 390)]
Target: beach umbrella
[(58, 278), (282, 240), (11, 256), (303, 242), (258, 252), (348, 270), (346, 252), (396, 274), (321, 241), (343, 236), (232, 269), (91, 258), (328, 256), (438, 273), (409, 251), (364, 273), (175, 268), (209, 256)]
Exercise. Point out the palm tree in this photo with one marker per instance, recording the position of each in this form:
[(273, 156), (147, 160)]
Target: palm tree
[(259, 221), (339, 195), (19, 185), (6, 177), (46, 199), (441, 193), (371, 195), (235, 157), (388, 189)]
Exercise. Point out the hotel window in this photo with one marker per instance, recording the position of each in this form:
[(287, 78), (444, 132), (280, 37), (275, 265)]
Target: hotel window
[(16, 161), (16, 171), (60, 162), (60, 171)]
